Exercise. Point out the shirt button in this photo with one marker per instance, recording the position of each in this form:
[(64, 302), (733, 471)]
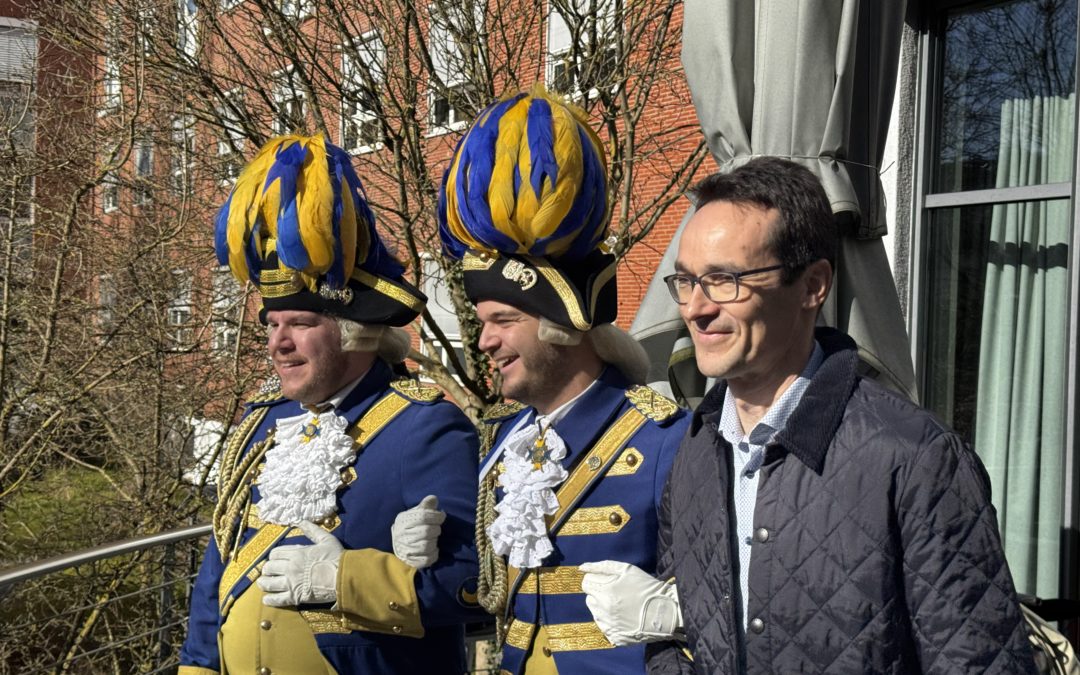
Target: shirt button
[(547, 651), (394, 606), (397, 629), (265, 624), (757, 626), (761, 535)]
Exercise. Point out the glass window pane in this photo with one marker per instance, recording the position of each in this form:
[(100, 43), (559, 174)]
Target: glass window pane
[(1007, 96), (996, 363)]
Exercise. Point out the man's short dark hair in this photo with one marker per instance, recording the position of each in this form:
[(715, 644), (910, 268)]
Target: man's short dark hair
[(806, 231)]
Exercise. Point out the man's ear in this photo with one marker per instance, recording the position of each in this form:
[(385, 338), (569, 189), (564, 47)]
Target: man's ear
[(816, 280)]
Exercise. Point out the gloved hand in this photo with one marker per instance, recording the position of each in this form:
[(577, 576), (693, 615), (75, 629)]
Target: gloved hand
[(629, 605), (416, 533), (304, 573)]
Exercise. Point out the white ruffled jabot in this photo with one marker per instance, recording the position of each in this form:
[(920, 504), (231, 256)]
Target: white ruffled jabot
[(531, 473), (303, 469)]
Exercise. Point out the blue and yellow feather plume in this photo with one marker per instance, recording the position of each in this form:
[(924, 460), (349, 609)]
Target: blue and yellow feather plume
[(529, 178)]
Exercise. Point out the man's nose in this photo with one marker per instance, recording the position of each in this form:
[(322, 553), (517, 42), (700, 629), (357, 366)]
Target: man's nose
[(279, 340), (698, 305), (487, 342)]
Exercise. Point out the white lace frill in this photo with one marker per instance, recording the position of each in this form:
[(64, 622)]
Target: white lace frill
[(303, 469), (520, 532)]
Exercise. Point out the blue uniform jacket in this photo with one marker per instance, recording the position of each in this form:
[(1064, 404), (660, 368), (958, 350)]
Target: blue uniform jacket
[(616, 519), (429, 448)]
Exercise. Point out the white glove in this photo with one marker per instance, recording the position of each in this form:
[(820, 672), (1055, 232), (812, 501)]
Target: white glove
[(416, 533), (304, 573), (629, 605)]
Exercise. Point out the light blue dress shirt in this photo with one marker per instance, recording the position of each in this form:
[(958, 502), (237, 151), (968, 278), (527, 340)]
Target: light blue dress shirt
[(747, 456)]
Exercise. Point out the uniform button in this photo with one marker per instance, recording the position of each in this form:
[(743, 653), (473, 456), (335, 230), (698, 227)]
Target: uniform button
[(757, 626), (265, 624), (593, 462), (547, 651), (264, 671), (761, 535), (631, 460), (615, 519), (394, 606), (397, 629)]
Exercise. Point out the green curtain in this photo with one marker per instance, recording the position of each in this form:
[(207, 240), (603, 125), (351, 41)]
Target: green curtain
[(1020, 413)]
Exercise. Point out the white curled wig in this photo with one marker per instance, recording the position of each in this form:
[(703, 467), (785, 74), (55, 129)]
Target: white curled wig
[(612, 344), (391, 344)]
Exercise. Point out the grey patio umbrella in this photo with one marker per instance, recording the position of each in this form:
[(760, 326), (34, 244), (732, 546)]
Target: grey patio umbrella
[(813, 81)]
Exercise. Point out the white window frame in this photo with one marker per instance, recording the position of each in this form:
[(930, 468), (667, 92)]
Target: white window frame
[(182, 158), (446, 58), (106, 292), (285, 93), (178, 313), (297, 10), (225, 307), (143, 164), (560, 49), (370, 47), (110, 193), (232, 136), (187, 27)]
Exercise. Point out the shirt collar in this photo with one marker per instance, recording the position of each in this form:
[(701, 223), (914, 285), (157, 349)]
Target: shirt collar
[(563, 410), (777, 415)]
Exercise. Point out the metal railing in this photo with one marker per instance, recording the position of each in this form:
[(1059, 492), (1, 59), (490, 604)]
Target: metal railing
[(119, 608)]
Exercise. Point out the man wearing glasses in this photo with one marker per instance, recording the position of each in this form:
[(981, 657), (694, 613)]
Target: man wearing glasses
[(814, 521)]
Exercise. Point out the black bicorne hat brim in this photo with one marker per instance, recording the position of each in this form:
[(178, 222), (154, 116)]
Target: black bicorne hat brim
[(367, 298), (578, 295)]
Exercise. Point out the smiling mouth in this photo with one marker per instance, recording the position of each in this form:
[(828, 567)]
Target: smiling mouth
[(504, 362)]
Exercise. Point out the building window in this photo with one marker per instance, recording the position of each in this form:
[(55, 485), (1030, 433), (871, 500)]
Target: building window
[(362, 77), (582, 47), (182, 157), (226, 310), (297, 10), (106, 287), (453, 31), (179, 310), (110, 81), (144, 171), (289, 106), (110, 193), (231, 135), (994, 239), (187, 27)]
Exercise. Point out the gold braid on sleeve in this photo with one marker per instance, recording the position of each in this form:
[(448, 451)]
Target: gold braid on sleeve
[(491, 585), (235, 470)]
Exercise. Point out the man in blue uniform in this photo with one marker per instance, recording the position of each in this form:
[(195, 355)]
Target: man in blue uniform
[(573, 472), (337, 482)]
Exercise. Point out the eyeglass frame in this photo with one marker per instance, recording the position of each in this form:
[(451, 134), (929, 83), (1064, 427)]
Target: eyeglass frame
[(696, 281)]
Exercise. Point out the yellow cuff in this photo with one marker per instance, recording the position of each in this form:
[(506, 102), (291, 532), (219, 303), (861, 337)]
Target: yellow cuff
[(195, 670), (378, 590)]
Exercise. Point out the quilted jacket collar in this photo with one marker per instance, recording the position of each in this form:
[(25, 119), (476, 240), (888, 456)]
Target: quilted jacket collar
[(815, 420)]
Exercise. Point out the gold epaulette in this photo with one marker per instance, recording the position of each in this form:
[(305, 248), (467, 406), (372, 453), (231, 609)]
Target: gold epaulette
[(651, 403), (416, 391), (502, 410), (265, 395)]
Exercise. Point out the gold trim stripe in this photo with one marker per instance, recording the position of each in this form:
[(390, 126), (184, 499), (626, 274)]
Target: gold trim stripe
[(388, 289), (627, 464), (562, 288), (278, 276), (328, 621), (475, 263), (595, 520), (370, 423), (562, 637), (553, 581), (601, 280)]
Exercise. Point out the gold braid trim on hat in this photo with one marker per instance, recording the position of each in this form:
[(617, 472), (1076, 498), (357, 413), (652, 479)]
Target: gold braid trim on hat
[(491, 586)]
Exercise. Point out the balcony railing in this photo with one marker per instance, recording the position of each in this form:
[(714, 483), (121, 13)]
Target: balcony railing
[(119, 608)]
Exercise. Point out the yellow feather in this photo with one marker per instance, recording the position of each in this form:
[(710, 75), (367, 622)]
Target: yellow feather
[(501, 198), (315, 208), (354, 232), (243, 209), (557, 199)]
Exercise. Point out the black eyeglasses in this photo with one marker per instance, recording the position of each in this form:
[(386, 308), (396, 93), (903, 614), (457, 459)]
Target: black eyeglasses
[(717, 286)]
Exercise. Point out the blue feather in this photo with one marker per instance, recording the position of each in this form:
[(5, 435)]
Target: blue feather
[(335, 276), (221, 233), (474, 175), (587, 211), (378, 260), (285, 170), (541, 133), (252, 255)]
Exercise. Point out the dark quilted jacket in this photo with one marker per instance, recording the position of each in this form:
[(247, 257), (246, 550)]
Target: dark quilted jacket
[(876, 549)]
